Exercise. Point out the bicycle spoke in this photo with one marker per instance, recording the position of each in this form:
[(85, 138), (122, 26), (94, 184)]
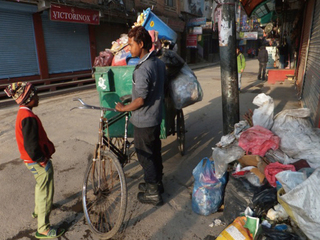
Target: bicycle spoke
[(105, 206)]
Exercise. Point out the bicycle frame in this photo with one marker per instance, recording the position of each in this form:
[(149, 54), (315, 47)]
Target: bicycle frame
[(123, 155), (104, 124)]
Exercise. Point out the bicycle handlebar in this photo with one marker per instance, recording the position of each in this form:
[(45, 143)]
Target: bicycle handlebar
[(86, 106)]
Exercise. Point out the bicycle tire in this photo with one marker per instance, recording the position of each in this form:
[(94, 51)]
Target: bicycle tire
[(105, 207), (181, 132)]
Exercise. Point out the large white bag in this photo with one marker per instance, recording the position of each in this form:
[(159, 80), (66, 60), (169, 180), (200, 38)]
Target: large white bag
[(302, 204), (185, 88), (298, 139)]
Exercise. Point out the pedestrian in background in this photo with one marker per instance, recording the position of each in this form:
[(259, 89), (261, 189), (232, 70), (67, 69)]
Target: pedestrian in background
[(241, 64), (35, 150), (263, 59), (146, 106), (283, 54)]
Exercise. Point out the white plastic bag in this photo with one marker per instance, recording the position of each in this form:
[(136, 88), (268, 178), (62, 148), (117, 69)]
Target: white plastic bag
[(263, 116), (229, 138), (298, 139), (289, 179), (223, 156), (185, 89)]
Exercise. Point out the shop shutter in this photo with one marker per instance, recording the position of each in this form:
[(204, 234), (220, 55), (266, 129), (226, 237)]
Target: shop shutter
[(18, 56), (311, 87), (306, 28), (67, 45)]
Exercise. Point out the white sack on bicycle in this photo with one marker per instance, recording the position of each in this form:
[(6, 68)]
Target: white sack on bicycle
[(185, 89)]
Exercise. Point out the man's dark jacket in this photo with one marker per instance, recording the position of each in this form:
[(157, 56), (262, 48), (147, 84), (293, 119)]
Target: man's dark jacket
[(263, 55)]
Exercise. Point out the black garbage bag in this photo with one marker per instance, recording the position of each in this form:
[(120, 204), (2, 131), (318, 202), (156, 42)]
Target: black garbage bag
[(264, 200), (265, 233), (238, 196), (173, 62)]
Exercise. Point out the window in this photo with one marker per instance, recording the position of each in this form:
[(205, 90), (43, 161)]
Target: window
[(169, 3)]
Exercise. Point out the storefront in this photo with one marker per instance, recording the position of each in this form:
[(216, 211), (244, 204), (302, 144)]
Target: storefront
[(33, 46), (304, 44), (67, 45), (311, 79), (17, 43)]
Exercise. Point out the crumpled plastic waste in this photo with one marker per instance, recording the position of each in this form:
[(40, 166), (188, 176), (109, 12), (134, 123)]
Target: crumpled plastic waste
[(216, 222), (277, 213), (223, 156), (229, 138)]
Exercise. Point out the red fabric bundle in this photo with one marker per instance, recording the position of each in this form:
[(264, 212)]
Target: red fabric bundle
[(272, 169), (258, 140)]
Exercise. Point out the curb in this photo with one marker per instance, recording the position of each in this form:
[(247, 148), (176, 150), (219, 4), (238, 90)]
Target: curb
[(202, 66)]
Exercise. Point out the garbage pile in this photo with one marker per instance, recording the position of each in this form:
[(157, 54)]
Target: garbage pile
[(273, 168), (183, 86)]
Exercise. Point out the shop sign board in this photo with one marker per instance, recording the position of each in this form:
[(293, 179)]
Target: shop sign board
[(208, 25), (249, 35), (192, 41), (73, 14), (196, 22), (196, 30)]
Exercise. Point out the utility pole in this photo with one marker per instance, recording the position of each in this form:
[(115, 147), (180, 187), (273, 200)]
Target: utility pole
[(228, 63)]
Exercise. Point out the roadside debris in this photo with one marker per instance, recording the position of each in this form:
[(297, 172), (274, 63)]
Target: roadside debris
[(272, 166)]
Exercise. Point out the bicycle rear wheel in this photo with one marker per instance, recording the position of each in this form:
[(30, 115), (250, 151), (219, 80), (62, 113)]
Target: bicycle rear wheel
[(181, 132), (104, 206)]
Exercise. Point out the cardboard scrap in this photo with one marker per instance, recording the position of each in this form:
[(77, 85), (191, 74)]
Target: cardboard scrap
[(257, 162)]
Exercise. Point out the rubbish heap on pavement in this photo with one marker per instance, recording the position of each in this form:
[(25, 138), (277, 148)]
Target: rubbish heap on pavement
[(184, 88), (272, 164)]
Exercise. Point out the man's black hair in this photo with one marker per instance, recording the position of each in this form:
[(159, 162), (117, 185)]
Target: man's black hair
[(140, 34)]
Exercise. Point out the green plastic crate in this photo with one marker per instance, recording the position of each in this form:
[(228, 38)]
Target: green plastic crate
[(115, 82)]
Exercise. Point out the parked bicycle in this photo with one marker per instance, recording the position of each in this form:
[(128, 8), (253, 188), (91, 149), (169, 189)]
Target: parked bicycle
[(104, 191)]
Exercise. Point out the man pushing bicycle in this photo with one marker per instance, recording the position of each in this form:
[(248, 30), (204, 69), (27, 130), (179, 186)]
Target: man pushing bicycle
[(147, 101)]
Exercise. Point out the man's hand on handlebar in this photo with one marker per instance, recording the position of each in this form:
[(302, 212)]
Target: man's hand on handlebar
[(120, 107), (134, 105)]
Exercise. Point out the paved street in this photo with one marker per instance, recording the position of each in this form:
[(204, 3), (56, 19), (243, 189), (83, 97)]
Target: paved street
[(74, 134)]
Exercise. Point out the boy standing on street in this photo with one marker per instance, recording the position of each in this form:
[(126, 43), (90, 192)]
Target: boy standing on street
[(241, 64), (146, 106), (35, 150)]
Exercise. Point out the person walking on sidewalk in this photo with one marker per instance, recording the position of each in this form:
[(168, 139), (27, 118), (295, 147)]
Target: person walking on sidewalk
[(241, 64), (146, 106), (36, 150), (263, 59)]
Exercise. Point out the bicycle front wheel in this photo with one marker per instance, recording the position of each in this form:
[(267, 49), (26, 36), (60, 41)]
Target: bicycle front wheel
[(104, 196)]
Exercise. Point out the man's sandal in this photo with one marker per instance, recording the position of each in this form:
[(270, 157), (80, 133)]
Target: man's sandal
[(53, 233)]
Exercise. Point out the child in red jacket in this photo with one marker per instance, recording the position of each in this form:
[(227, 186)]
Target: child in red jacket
[(35, 150)]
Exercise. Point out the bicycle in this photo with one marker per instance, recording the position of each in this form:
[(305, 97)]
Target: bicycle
[(104, 191)]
